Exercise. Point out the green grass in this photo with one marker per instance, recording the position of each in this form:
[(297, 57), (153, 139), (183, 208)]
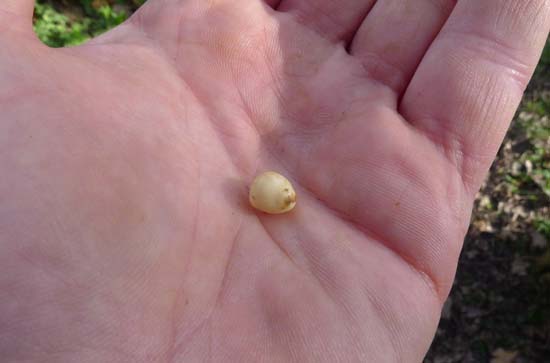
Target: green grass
[(535, 122), (543, 226), (57, 29)]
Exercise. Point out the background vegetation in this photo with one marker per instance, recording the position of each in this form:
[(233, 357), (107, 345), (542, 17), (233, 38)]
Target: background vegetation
[(499, 309), (61, 23)]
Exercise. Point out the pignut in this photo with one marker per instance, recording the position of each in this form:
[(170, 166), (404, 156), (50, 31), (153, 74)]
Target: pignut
[(272, 193)]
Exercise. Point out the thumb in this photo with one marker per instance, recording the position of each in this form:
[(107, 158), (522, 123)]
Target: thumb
[(20, 9)]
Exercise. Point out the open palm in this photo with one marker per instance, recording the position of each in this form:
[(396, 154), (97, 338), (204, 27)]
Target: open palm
[(125, 232)]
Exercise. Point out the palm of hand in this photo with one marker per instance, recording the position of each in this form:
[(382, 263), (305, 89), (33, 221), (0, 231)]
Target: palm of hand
[(128, 193)]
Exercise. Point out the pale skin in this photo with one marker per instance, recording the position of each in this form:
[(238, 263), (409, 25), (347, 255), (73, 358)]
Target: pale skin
[(125, 230)]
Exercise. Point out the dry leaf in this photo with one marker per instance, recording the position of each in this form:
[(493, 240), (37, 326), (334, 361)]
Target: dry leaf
[(516, 168), (528, 166), (504, 356), (483, 225), (485, 202), (519, 211)]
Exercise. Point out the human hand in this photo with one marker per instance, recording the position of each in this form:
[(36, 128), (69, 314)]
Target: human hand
[(125, 233)]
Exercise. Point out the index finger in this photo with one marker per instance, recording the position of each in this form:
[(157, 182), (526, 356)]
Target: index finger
[(469, 84)]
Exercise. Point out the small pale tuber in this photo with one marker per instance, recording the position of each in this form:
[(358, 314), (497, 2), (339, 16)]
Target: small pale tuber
[(272, 193)]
